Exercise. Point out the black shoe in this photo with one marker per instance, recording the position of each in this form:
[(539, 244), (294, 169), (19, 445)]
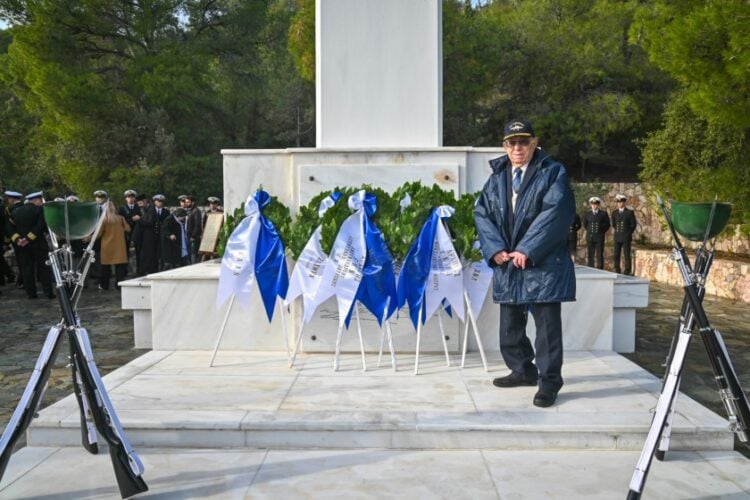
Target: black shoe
[(544, 398), (514, 380), (35, 296), (50, 295)]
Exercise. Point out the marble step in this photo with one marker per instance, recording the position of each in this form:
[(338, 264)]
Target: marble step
[(254, 400)]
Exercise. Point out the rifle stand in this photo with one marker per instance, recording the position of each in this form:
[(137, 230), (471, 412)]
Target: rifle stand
[(734, 399), (97, 412)]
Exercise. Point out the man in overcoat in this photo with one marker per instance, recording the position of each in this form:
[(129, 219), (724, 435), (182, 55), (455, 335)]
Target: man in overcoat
[(522, 217)]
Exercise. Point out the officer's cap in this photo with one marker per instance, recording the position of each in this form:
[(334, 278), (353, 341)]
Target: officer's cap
[(130, 192), (31, 196), (100, 194), (59, 198), (213, 199), (595, 199), (621, 197), (158, 197), (518, 128), (182, 197), (72, 198), (13, 194)]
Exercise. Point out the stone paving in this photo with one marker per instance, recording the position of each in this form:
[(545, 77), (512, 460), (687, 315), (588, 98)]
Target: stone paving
[(24, 325)]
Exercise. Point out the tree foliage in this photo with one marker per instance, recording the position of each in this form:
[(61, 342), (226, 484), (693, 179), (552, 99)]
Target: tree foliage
[(701, 150), (704, 45), (692, 159), (145, 94)]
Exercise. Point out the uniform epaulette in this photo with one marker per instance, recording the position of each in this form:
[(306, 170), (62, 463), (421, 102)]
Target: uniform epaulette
[(31, 236)]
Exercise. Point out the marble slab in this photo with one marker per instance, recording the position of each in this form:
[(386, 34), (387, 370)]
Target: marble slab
[(71, 473)]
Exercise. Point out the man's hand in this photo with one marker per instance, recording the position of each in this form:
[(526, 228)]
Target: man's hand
[(519, 259), (136, 218), (172, 237), (501, 258)]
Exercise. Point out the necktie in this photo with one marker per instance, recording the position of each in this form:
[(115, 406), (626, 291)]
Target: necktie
[(517, 179)]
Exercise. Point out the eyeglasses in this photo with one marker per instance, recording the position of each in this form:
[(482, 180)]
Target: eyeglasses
[(510, 144)]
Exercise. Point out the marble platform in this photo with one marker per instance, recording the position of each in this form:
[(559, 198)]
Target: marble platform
[(251, 427), (175, 310), (253, 399)]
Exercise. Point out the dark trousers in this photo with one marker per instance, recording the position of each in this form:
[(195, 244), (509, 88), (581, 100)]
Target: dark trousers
[(595, 248), (516, 349), (33, 267), (121, 270), (623, 248)]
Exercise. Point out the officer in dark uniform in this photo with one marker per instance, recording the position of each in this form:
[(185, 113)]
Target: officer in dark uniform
[(573, 236), (14, 200), (144, 205), (152, 245), (596, 222), (29, 230), (623, 221), (131, 212)]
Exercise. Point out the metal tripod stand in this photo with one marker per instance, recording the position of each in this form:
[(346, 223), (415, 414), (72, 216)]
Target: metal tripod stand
[(734, 399), (97, 412)]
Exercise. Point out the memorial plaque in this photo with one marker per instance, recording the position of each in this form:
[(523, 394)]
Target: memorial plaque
[(211, 233)]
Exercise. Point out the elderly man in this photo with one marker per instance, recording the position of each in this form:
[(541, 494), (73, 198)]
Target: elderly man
[(596, 222), (623, 221), (522, 217)]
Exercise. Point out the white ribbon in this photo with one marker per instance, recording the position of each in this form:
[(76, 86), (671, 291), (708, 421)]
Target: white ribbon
[(308, 272), (446, 276), (343, 271), (477, 280), (405, 202), (238, 263)]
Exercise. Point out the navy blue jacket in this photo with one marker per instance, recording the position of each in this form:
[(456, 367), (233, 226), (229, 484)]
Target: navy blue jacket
[(545, 208)]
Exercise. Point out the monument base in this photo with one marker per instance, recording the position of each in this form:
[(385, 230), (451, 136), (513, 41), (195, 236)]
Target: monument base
[(175, 310)]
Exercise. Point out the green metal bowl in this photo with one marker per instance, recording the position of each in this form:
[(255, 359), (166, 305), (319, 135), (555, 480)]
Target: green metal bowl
[(81, 218), (691, 219)]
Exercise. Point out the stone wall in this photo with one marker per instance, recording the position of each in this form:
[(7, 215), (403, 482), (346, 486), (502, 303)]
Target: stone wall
[(728, 279), (652, 228)]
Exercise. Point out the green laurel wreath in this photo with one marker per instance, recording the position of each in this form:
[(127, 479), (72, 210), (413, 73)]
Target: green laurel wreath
[(400, 226), (275, 211)]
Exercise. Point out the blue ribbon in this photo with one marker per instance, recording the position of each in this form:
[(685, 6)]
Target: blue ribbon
[(378, 278), (416, 269), (270, 264)]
